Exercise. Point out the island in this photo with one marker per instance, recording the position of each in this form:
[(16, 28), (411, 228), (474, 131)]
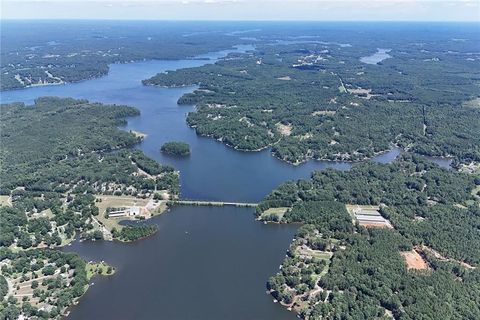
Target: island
[(176, 148)]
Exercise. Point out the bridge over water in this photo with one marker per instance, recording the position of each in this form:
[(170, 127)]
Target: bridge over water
[(213, 203)]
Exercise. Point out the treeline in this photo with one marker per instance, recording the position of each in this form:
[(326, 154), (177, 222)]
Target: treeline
[(149, 165), (330, 215), (134, 232)]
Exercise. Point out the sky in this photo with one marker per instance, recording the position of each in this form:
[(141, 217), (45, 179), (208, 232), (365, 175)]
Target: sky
[(317, 10)]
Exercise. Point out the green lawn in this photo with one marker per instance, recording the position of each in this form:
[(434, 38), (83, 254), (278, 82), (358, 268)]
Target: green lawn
[(279, 212)]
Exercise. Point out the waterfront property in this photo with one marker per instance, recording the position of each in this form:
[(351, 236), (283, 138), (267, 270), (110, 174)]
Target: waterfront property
[(124, 212)]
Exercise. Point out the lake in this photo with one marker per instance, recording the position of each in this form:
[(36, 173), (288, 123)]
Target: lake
[(377, 57), (205, 262), (213, 171)]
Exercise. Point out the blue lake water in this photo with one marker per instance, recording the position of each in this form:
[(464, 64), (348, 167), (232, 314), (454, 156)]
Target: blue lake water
[(203, 263)]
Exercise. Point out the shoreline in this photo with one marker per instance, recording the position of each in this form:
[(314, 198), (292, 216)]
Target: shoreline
[(297, 162), (103, 74)]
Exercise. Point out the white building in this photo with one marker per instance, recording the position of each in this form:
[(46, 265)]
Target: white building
[(124, 212)]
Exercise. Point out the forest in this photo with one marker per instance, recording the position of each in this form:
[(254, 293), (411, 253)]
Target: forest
[(134, 232), (317, 100), (432, 210)]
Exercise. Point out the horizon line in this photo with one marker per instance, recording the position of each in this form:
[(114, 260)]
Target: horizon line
[(236, 20)]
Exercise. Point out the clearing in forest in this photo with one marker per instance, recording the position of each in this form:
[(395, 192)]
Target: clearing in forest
[(414, 260), (284, 129), (324, 113), (278, 212), (5, 201)]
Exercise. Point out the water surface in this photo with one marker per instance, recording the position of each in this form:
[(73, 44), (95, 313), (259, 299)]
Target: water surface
[(204, 263), (377, 57)]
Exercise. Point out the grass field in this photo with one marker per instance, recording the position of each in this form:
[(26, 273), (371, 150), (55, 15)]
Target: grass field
[(279, 212), (111, 222), (324, 255), (160, 209), (476, 192), (475, 103), (101, 268), (118, 201)]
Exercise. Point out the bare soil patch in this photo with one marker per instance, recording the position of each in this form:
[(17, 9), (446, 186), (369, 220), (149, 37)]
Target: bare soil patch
[(414, 260), (284, 129), (324, 113)]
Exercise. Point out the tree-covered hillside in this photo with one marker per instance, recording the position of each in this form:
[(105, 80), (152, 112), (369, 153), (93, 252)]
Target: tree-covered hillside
[(339, 268)]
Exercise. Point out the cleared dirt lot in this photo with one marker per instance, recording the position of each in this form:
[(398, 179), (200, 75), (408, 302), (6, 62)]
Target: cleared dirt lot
[(414, 260)]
